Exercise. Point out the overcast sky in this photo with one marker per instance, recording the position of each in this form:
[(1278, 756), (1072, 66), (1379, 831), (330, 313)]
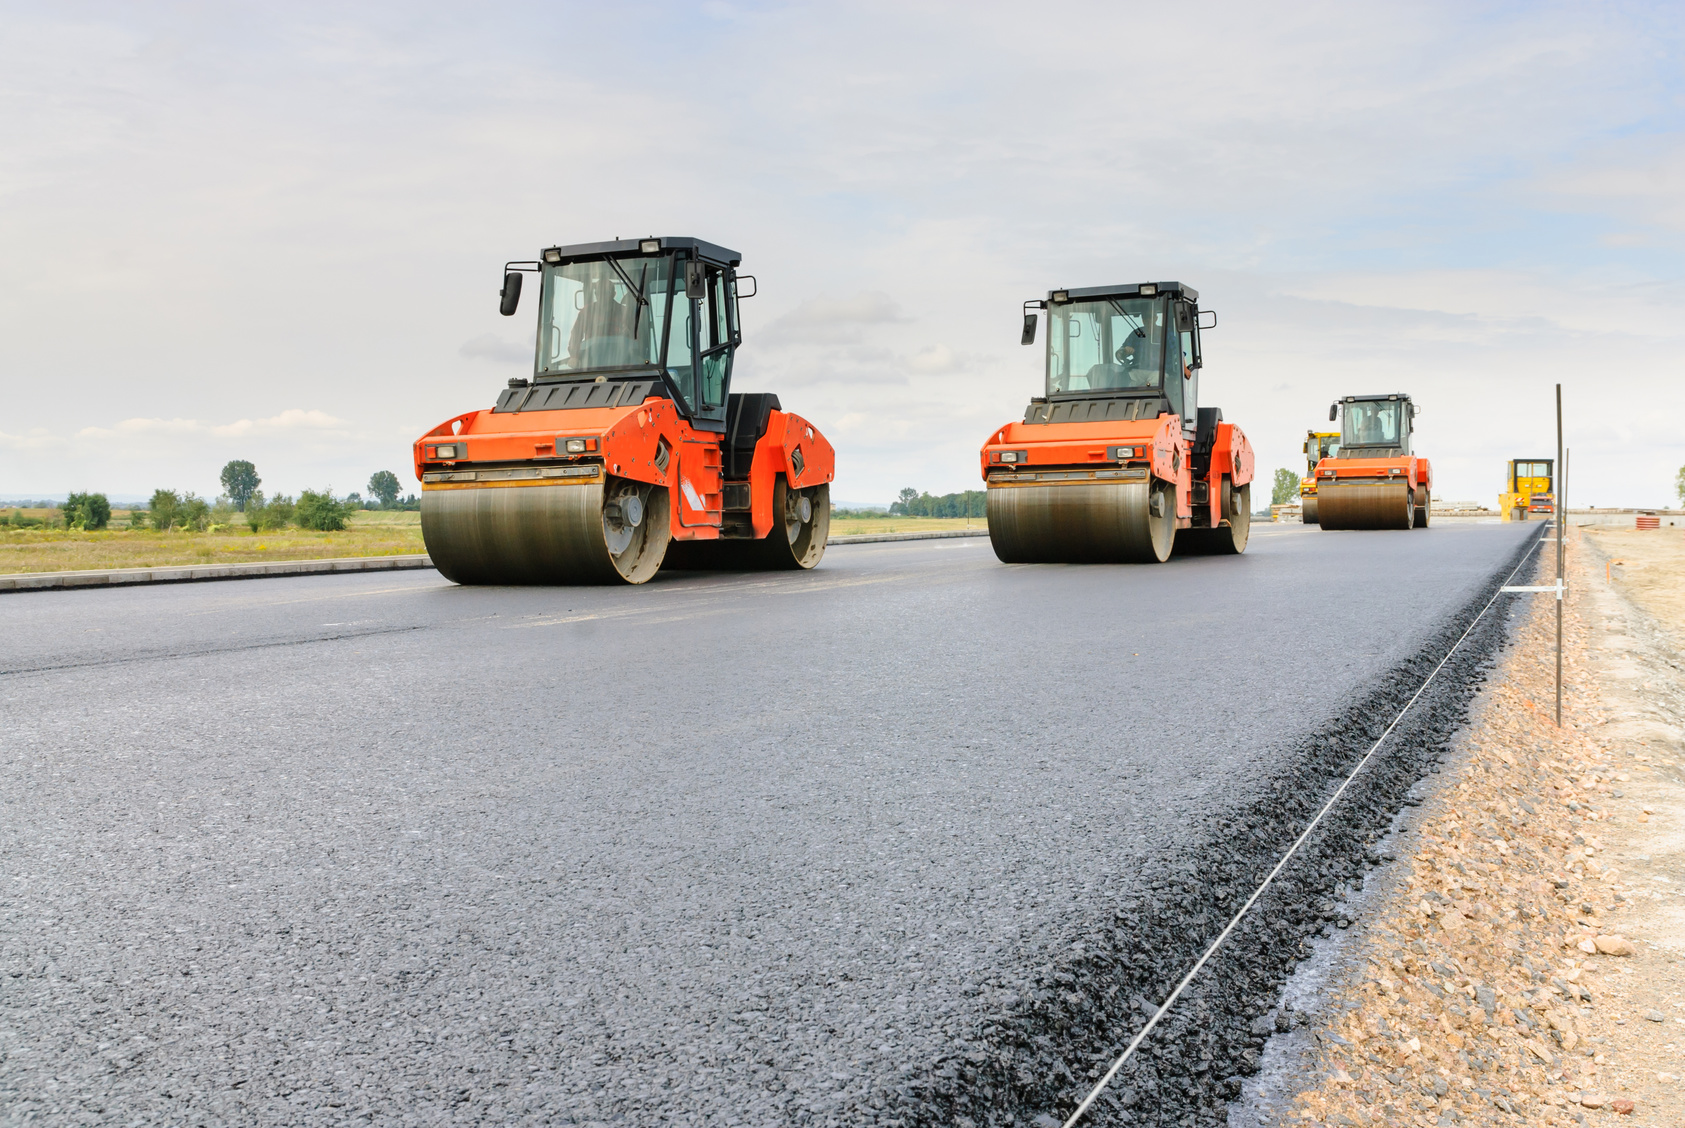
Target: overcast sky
[(275, 231)]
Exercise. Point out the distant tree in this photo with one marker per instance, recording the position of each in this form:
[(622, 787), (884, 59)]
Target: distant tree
[(384, 485), (1679, 483), (87, 511), (194, 513), (240, 480), (163, 508), (1286, 487), (321, 511)]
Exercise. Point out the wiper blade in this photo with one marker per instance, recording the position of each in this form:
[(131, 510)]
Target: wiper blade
[(637, 291)]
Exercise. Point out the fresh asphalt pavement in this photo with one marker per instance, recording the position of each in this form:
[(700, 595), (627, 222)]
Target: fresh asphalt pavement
[(717, 850)]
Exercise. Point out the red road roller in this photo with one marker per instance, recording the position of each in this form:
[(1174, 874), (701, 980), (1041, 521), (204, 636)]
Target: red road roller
[(1117, 462), (1374, 481), (626, 450)]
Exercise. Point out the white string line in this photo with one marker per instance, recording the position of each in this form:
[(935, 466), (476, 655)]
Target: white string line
[(1279, 866)]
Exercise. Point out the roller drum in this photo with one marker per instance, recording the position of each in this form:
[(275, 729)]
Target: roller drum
[(796, 541), (1081, 523), (613, 531), (1308, 505), (1364, 505)]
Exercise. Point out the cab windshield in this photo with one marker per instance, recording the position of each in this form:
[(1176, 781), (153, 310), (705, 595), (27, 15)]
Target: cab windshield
[(1373, 423), (1114, 344), (604, 315)]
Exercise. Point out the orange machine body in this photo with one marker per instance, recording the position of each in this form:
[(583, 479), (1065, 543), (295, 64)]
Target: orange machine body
[(648, 442), (1411, 469), (1030, 454)]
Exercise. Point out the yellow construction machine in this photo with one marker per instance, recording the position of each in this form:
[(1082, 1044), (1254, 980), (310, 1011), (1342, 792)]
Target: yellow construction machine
[(1530, 489), (1318, 446)]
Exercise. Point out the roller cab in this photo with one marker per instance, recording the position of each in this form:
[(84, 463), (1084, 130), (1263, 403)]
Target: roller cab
[(1373, 480), (626, 451), (1318, 445), (1117, 462)]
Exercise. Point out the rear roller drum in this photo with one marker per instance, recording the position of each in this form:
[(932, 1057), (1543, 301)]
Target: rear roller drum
[(614, 531), (1086, 523), (801, 523), (1225, 540), (1365, 505), (1423, 510), (1309, 506)]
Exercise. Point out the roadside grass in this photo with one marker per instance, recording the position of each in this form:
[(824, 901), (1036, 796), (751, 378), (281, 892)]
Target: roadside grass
[(372, 533)]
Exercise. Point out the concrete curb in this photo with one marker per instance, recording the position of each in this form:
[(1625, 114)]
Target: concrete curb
[(195, 573), (191, 573), (869, 538)]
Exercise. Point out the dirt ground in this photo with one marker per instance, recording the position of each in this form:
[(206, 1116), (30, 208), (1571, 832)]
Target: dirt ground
[(1530, 967)]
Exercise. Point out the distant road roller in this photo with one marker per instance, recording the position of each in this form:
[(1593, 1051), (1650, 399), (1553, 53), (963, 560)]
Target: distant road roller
[(626, 450), (1374, 481), (1318, 446), (1529, 489), (1117, 462)]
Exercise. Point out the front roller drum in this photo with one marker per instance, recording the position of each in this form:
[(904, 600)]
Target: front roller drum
[(801, 524), (1365, 505), (604, 532), (1308, 506), (1224, 540), (1082, 523)]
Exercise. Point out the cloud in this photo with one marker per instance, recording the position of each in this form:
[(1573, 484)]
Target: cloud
[(828, 320), (489, 346), (293, 420)]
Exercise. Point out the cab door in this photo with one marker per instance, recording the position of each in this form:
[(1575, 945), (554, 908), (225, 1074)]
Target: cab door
[(714, 340)]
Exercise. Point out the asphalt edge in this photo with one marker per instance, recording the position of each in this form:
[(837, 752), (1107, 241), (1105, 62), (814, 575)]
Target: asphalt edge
[(1088, 989)]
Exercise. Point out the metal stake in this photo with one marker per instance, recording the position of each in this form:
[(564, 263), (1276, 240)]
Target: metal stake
[(1561, 531)]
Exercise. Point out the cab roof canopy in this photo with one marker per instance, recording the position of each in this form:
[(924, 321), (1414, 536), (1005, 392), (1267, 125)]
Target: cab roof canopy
[(1376, 396), (1125, 290), (700, 248)]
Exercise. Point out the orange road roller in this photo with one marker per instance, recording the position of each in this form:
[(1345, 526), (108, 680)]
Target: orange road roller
[(1373, 481), (626, 451), (1117, 462)]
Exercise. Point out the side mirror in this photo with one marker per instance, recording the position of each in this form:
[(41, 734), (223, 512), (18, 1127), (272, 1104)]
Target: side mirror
[(1029, 336), (1333, 412), (1205, 314), (511, 296), (696, 280)]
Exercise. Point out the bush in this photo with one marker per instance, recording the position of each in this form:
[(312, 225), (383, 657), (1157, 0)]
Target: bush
[(194, 513), (163, 508), (87, 511), (321, 511), (267, 516), (16, 520), (1285, 489)]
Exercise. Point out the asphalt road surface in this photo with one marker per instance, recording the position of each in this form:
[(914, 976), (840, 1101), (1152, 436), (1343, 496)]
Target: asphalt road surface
[(720, 850)]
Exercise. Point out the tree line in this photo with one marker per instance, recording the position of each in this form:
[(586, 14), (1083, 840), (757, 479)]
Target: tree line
[(170, 509), (912, 503)]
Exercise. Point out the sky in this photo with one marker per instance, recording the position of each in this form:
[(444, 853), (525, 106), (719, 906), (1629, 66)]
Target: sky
[(276, 232)]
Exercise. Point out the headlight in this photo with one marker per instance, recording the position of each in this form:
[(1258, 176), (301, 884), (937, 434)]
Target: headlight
[(650, 246), (445, 451), (575, 446), (1010, 457), (553, 255)]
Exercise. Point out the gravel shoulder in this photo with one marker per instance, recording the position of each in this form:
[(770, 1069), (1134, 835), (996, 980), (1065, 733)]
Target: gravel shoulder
[(1521, 963)]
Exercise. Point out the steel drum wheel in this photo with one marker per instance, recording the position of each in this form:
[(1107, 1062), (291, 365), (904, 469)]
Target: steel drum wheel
[(1225, 540), (612, 531), (1086, 523), (1423, 511), (801, 524), (1308, 505), (1366, 505)]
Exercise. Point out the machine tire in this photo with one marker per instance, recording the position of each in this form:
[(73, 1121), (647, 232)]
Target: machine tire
[(1086, 523), (1308, 506), (548, 534), (791, 544), (1225, 540), (1423, 511)]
